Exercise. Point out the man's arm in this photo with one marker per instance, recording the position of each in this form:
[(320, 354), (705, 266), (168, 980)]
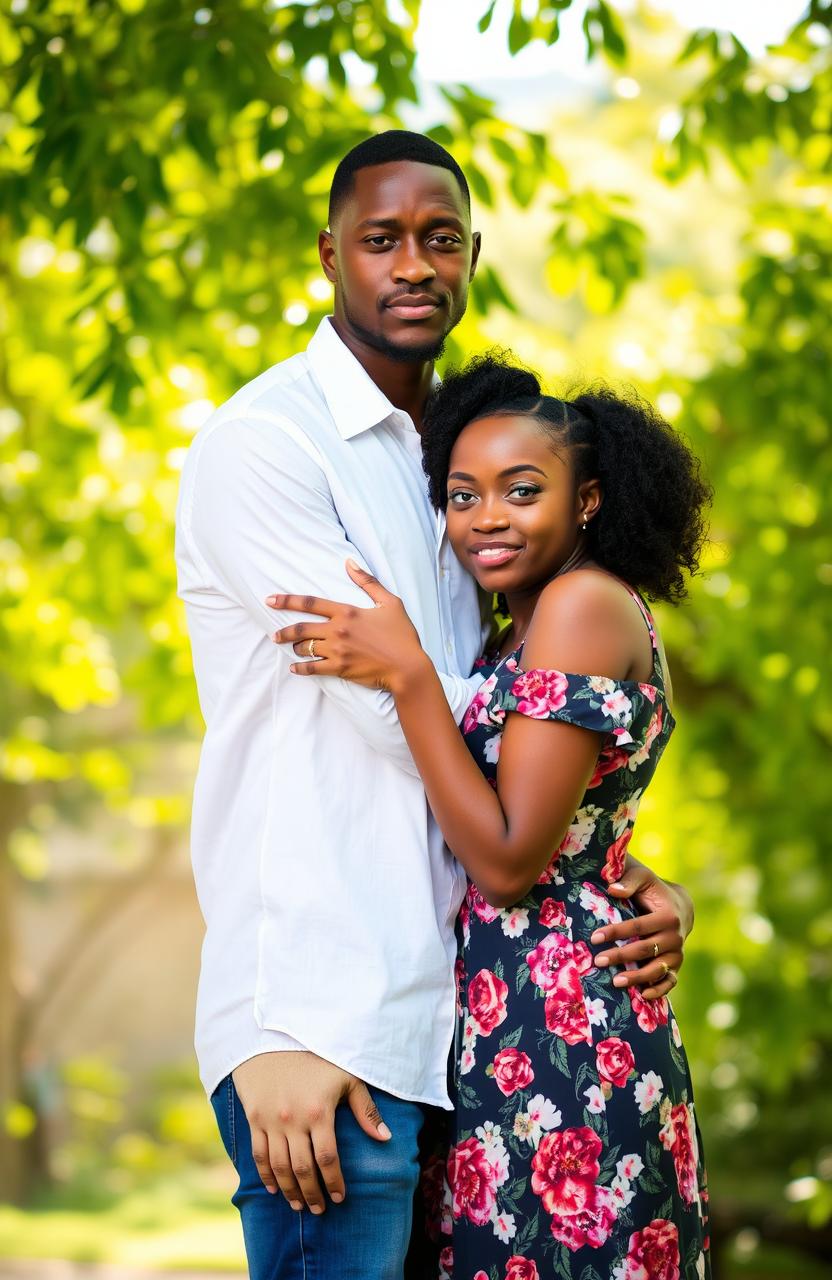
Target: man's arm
[(665, 922), (259, 517)]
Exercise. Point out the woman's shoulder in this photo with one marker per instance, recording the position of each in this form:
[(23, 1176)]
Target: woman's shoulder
[(586, 621)]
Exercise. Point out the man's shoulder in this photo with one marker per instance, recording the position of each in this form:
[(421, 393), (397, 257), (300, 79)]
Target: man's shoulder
[(281, 408), (270, 392)]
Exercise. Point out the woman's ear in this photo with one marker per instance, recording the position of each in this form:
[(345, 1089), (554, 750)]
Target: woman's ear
[(590, 498)]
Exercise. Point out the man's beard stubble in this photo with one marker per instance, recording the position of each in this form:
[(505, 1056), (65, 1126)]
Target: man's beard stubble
[(428, 351)]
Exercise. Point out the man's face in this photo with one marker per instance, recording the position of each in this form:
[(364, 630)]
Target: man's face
[(401, 256)]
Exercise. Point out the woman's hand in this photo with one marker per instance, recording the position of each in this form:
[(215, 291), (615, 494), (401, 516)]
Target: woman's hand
[(376, 647)]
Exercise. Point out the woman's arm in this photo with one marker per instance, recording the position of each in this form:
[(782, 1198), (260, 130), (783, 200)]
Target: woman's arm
[(503, 838)]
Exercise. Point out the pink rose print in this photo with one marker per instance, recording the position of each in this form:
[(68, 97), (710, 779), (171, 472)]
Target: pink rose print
[(565, 1007), (552, 913), (477, 712), (565, 1167), (649, 691), (482, 909), (616, 704), (583, 958), (613, 868), (518, 1268), (650, 1014), (548, 958), (654, 1252), (609, 760), (679, 1137), (654, 728), (540, 692), (472, 1180), (591, 1225), (512, 1071), (487, 1001), (614, 1060)]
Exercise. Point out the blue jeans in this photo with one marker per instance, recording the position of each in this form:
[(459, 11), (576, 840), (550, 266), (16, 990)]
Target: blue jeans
[(364, 1238)]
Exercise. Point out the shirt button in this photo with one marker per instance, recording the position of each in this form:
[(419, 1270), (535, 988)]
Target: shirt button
[(450, 646)]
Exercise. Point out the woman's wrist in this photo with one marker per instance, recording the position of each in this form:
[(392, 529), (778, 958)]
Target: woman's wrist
[(412, 676)]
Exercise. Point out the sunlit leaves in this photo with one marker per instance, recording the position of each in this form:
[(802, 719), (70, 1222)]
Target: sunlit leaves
[(595, 249)]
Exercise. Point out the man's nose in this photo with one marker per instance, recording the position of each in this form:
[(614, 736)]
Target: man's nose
[(412, 265)]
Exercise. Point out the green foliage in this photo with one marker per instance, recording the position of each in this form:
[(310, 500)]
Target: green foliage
[(163, 174)]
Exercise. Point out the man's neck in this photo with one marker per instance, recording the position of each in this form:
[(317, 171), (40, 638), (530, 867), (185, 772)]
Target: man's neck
[(405, 384)]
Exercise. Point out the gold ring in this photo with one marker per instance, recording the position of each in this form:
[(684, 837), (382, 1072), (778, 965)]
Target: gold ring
[(312, 648), (666, 968), (655, 949)]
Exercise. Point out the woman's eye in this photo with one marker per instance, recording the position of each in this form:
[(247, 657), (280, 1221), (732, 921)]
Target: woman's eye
[(461, 496), (524, 491)]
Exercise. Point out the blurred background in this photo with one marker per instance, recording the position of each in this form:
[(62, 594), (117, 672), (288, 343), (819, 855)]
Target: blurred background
[(652, 184)]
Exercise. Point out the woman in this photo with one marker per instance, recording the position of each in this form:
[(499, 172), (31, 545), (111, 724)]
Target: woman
[(576, 1149)]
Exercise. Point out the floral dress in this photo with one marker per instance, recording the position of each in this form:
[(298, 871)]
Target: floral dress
[(575, 1150)]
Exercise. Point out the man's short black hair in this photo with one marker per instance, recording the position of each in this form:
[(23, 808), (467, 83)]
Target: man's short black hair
[(388, 148)]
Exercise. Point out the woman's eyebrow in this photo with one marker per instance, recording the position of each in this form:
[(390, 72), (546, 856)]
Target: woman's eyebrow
[(509, 471)]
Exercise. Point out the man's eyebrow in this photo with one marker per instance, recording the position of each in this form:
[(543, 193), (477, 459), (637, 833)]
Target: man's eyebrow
[(509, 471), (395, 224)]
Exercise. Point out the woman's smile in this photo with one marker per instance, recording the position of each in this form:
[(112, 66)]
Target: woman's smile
[(491, 554)]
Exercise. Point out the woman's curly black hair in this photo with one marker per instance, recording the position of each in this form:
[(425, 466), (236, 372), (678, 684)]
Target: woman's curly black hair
[(650, 527)]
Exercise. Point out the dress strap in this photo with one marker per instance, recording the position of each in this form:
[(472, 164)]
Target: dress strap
[(647, 616)]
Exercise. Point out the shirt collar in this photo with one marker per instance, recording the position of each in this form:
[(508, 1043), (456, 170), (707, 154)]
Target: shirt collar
[(354, 400)]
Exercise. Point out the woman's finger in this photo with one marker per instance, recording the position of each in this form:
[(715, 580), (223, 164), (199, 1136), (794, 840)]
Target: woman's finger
[(377, 593), (320, 665), (297, 631), (303, 604)]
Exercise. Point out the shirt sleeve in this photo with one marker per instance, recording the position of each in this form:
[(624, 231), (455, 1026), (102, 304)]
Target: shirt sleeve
[(258, 516)]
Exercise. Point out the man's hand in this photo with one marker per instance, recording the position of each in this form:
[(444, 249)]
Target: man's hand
[(660, 932), (290, 1100)]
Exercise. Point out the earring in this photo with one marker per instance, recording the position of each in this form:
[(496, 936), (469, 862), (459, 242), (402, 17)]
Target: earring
[(584, 525)]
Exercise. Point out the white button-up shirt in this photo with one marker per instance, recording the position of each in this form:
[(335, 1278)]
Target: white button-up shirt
[(328, 895)]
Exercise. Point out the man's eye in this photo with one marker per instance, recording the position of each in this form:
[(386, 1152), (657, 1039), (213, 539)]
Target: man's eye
[(378, 242), (444, 241)]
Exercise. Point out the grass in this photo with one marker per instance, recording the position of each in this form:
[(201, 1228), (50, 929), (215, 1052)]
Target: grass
[(175, 1224)]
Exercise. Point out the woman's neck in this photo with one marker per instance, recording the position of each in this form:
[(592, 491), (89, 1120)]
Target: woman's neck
[(521, 605)]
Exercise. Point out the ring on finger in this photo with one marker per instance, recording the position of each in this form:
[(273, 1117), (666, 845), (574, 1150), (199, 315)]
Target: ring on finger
[(655, 949), (666, 969), (311, 648)]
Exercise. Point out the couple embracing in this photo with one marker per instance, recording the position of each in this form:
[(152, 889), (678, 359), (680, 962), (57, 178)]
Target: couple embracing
[(433, 978)]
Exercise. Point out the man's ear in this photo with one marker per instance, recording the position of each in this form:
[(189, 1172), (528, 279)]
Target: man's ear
[(476, 245), (327, 255)]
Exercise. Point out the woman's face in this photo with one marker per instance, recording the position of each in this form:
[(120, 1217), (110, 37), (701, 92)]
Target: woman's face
[(514, 512)]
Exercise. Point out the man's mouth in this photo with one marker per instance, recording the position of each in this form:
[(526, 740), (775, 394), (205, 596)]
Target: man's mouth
[(494, 553), (414, 306)]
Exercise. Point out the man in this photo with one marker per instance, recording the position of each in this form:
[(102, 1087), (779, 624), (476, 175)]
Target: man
[(328, 895)]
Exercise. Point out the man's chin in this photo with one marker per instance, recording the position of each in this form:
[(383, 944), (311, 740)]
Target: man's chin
[(416, 349), (412, 352)]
